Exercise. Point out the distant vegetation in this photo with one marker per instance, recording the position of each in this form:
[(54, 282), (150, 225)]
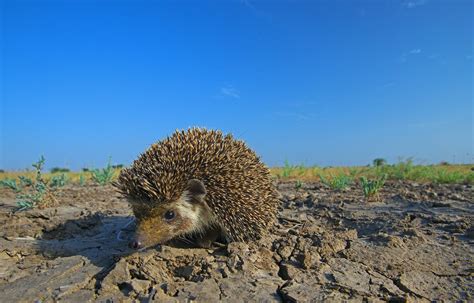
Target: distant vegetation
[(337, 178), (379, 162), (341, 177), (59, 170), (35, 189)]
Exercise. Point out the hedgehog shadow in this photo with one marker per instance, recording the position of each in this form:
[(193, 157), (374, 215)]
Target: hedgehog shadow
[(101, 239)]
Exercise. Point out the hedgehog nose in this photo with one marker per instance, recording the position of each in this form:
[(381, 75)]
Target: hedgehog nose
[(135, 244)]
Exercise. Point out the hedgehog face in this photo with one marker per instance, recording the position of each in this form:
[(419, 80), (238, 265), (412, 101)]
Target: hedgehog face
[(161, 223)]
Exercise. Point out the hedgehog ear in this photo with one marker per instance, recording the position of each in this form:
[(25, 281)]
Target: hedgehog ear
[(196, 189)]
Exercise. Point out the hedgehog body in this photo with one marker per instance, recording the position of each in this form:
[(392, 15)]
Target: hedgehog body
[(198, 182)]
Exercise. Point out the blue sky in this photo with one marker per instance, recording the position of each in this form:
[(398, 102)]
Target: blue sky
[(312, 82)]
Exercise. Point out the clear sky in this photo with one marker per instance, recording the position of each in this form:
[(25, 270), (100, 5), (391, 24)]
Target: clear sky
[(311, 82)]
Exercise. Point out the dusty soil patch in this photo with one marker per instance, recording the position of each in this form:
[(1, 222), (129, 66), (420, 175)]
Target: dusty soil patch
[(415, 245)]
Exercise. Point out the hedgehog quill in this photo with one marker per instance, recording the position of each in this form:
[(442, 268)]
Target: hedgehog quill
[(202, 184)]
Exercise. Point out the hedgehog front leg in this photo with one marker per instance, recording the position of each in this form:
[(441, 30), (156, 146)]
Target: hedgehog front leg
[(209, 237)]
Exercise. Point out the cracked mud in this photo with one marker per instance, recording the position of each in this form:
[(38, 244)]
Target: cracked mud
[(414, 246)]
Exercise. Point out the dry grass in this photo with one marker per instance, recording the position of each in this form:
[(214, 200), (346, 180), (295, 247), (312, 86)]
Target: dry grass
[(402, 171)]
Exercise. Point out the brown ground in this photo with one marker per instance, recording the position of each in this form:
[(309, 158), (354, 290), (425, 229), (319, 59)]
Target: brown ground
[(416, 246)]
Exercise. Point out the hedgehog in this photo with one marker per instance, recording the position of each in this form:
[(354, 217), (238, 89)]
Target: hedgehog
[(199, 184)]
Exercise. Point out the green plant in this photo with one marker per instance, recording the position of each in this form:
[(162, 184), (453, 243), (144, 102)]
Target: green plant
[(337, 182), (10, 183), (103, 176), (401, 170), (82, 180), (39, 165), (371, 188), (25, 181), (58, 180), (287, 169), (39, 193), (31, 200), (59, 170)]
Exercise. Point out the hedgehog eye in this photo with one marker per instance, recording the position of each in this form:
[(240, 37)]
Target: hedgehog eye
[(169, 215)]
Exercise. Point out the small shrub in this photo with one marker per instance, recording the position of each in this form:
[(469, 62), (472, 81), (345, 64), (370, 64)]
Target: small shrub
[(58, 180), (39, 194), (85, 169), (117, 166), (33, 199), (103, 176), (59, 170), (400, 171), (379, 162), (25, 181), (371, 188), (82, 180)]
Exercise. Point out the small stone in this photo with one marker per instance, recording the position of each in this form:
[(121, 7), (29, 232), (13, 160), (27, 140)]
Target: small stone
[(285, 251), (308, 258), (140, 286)]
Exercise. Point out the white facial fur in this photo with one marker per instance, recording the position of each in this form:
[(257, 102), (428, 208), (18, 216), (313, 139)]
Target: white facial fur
[(198, 213)]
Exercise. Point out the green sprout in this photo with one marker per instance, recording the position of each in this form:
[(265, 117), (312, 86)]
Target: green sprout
[(10, 183), (371, 188), (338, 182), (103, 176)]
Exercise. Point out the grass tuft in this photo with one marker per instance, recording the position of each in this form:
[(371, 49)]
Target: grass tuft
[(338, 182), (371, 188)]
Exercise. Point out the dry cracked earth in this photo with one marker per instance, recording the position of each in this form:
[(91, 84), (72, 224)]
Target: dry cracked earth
[(416, 245)]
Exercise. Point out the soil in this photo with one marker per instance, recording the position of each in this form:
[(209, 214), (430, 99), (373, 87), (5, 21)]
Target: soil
[(415, 245)]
